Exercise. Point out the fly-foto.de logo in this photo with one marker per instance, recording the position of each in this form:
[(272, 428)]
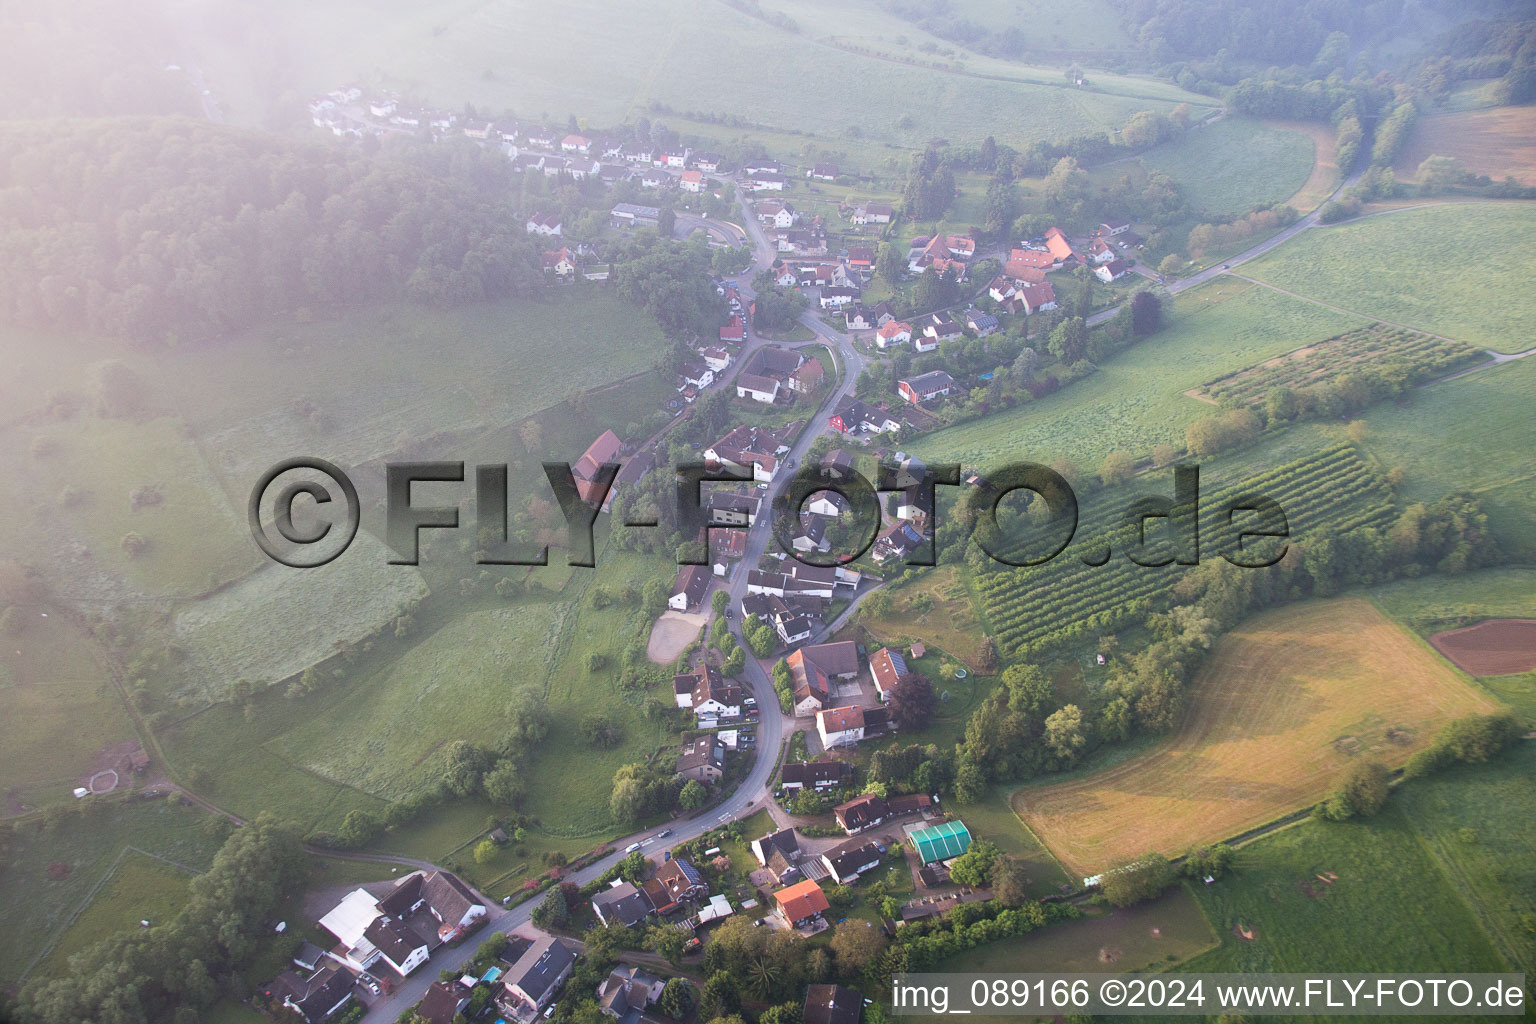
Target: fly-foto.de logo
[(305, 512)]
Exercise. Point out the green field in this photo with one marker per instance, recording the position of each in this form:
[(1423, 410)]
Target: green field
[(1232, 164), (140, 888), (58, 709), (606, 63), (1475, 823), (1468, 434), (1136, 399), (1456, 270), (1390, 908), (87, 846)]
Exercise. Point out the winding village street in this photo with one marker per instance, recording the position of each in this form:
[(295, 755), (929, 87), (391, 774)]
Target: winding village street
[(754, 792)]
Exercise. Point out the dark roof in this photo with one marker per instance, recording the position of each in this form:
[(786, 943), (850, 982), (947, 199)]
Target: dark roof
[(927, 383), (321, 992), (699, 753), (783, 841), (853, 856), (623, 902), (809, 773), (538, 968), (441, 1002), (861, 811), (909, 804), (692, 580), (395, 939), (832, 1004), (403, 896), (449, 898), (678, 876)]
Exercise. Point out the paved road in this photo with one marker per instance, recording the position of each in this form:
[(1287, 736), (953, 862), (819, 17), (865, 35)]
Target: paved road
[(1311, 220)]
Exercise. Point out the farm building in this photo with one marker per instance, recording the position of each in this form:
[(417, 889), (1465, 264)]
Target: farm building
[(941, 842)]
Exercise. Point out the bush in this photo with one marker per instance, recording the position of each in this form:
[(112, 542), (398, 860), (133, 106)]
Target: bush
[(1142, 879), (1363, 790)]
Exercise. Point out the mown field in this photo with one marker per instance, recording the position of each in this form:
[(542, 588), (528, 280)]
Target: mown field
[(1500, 143), (58, 709), (1472, 434), (1231, 165), (1136, 399), (1283, 704), (1453, 270), (1427, 606), (605, 64)]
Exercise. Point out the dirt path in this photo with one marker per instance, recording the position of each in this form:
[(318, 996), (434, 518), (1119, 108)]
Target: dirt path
[(1324, 179)]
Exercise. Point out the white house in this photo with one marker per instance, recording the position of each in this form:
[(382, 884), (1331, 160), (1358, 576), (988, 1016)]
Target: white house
[(840, 727), (757, 387), (893, 332), (1112, 271)]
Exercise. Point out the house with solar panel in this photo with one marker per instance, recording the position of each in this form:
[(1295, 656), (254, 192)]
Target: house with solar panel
[(941, 842)]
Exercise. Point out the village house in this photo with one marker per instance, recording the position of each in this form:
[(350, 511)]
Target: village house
[(926, 387), (734, 332), (814, 670), (861, 258), (716, 357), (981, 323), (732, 508), (1113, 270), (627, 992), (776, 214), (1060, 249), (857, 318), (941, 327), (802, 905), (861, 813), (588, 469), (692, 181), (822, 172), (707, 692), (751, 451), (681, 880), (892, 332), (576, 144), (763, 181), (316, 996), (871, 213), (897, 542), (709, 163), (688, 590), (851, 416), (1114, 227), (455, 907), (888, 668), (621, 903), (544, 224), (835, 297), (559, 262), (530, 983), (757, 387), (807, 377), (818, 775), (631, 215), (1100, 251), (702, 760), (846, 861), (840, 727)]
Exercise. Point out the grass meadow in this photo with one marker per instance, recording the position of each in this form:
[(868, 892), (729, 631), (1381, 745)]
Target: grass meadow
[(1283, 704), (606, 63), (58, 709), (1474, 821), (1472, 433), (1232, 164), (84, 849), (140, 888), (1453, 270), (1136, 399), (1389, 909)]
